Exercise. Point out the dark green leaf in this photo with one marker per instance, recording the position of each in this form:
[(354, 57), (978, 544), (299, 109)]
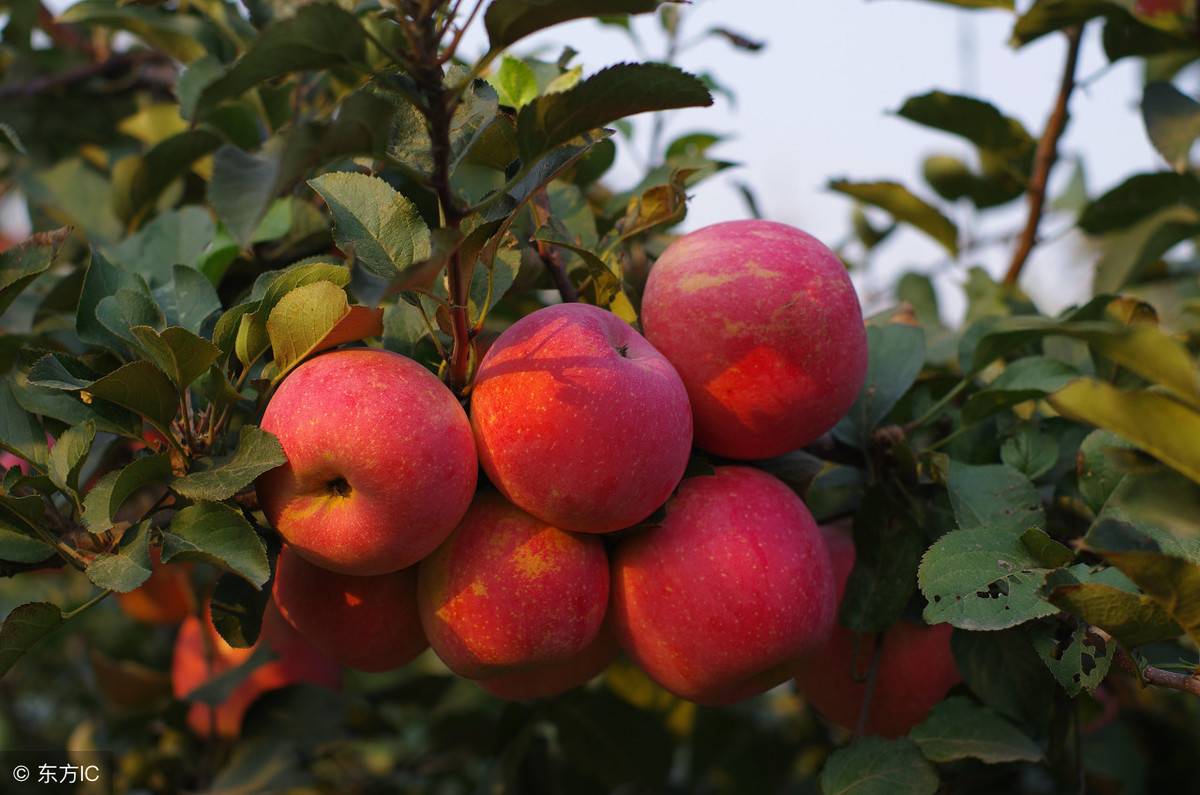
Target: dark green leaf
[(24, 628), (258, 451), (20, 432), (1048, 16), (23, 263), (994, 497), (212, 532), (68, 454), (508, 21), (1004, 671), (1028, 378), (110, 492), (875, 766), (889, 548), (102, 280), (1139, 197), (129, 567), (1079, 658), (957, 728), (1172, 121), (1030, 451), (896, 354), (975, 120), (380, 226)]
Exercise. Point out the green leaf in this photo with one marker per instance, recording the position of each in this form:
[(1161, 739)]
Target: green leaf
[(875, 766), (508, 21), (896, 354), (1161, 359), (982, 579), (17, 546), (179, 353), (313, 318), (188, 299), (182, 36), (68, 454), (102, 280), (957, 728), (1048, 16), (137, 190), (1098, 471), (611, 94), (23, 263), (515, 83), (212, 532), (242, 188), (1133, 619), (1045, 549), (129, 567), (1172, 121), (119, 313), (1172, 582), (138, 386), (248, 326), (258, 451), (237, 610), (1078, 659), (381, 226), (1004, 671), (319, 36), (24, 628), (1029, 451), (1154, 422), (884, 577), (905, 207), (20, 432), (1129, 253), (176, 237), (994, 497), (1139, 197), (109, 493), (1028, 378), (975, 120)]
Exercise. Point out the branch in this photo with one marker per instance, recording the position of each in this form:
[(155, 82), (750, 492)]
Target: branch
[(107, 68), (1047, 153), (1172, 680)]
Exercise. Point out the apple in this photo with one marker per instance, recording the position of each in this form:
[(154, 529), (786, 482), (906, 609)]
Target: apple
[(365, 623), (916, 667), (763, 325), (579, 421), (193, 665), (544, 681), (508, 592), (9, 460), (164, 598), (1155, 7), (380, 462), (722, 600)]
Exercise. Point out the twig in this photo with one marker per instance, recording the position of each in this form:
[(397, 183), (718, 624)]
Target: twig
[(1047, 153), (115, 64), (864, 710), (1187, 683), (452, 47)]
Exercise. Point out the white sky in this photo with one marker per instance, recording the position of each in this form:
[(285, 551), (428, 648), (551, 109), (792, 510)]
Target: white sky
[(818, 103)]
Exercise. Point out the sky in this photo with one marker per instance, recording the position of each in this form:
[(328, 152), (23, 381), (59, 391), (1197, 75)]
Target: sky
[(818, 102)]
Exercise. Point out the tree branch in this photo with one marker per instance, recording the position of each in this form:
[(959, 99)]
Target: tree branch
[(1172, 680), (107, 68), (1047, 153)]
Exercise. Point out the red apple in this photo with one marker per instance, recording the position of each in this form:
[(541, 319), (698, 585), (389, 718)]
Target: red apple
[(722, 601), (579, 420), (165, 598), (365, 623), (915, 671), (9, 460), (193, 665), (764, 327), (1155, 7), (551, 680), (507, 592), (381, 462)]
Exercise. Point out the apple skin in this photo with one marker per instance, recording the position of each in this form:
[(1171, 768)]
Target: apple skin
[(916, 666), (763, 325), (365, 623), (507, 592), (552, 680), (722, 600), (9, 460), (381, 462), (579, 420), (297, 662), (165, 598)]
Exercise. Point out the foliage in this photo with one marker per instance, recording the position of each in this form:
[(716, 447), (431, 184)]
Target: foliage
[(242, 187)]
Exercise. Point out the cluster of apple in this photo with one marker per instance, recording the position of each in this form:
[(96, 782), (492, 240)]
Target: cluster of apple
[(589, 540)]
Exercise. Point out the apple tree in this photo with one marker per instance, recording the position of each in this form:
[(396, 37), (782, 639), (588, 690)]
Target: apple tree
[(228, 198)]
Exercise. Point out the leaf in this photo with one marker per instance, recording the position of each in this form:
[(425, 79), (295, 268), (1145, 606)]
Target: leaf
[(1079, 660), (24, 628), (319, 36), (181, 36), (515, 83), (1003, 671), (1097, 472), (176, 237), (1045, 549), (316, 317), (180, 354), (982, 579), (137, 190), (128, 568), (188, 299), (1028, 378), (611, 94), (508, 21), (995, 497), (1048, 16), (975, 120), (1137, 198), (905, 207), (875, 766), (1133, 619), (1172, 122), (1172, 582), (17, 546), (119, 313), (1005, 4), (138, 386), (20, 432), (23, 263), (895, 356), (68, 454), (1161, 359), (212, 532), (242, 187), (109, 493), (1154, 422), (957, 728), (237, 610), (101, 281), (884, 576), (381, 226), (1029, 451), (252, 339), (258, 451)]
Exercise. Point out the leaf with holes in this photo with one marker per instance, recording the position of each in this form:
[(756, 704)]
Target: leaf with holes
[(1077, 656)]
